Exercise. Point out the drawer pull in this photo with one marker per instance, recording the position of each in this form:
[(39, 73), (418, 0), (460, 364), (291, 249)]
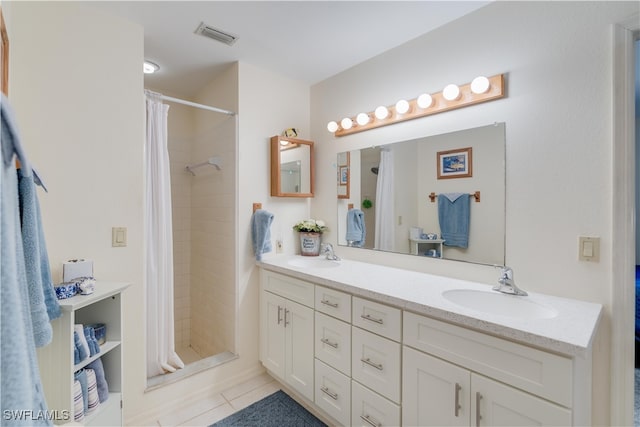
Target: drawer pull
[(329, 303), (279, 314), (478, 416), (371, 421), (329, 393), (286, 322), (457, 400), (329, 343), (372, 319), (370, 363)]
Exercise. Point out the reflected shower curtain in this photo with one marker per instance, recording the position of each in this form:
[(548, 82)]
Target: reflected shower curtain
[(161, 354), (384, 230)]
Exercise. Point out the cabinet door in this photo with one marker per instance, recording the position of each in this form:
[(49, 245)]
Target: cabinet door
[(272, 336), (496, 404), (298, 322), (435, 393)]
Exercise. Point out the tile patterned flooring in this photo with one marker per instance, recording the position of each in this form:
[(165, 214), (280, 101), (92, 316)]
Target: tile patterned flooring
[(219, 406)]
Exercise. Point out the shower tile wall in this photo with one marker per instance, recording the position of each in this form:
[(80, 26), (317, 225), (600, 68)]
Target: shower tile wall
[(212, 245), (180, 131)]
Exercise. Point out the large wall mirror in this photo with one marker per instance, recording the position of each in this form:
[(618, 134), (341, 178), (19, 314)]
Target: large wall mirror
[(395, 193), (291, 167)]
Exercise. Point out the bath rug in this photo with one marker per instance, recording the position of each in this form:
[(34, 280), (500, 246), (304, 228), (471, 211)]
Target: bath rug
[(276, 410)]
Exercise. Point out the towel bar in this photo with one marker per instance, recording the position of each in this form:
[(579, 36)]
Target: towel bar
[(475, 195)]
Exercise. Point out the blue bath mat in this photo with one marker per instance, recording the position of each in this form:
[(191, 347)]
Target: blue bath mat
[(276, 410)]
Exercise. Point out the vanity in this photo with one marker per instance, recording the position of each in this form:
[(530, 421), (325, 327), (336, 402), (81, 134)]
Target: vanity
[(375, 346)]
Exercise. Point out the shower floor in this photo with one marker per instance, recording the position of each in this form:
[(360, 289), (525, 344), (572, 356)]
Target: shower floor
[(188, 355)]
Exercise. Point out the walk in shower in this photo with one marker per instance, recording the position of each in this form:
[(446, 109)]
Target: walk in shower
[(202, 152)]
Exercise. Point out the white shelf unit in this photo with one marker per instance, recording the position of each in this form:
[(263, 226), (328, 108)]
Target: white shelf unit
[(56, 361), (436, 244)]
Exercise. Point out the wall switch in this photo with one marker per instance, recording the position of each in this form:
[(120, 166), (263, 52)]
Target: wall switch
[(279, 246), (118, 237), (589, 248)]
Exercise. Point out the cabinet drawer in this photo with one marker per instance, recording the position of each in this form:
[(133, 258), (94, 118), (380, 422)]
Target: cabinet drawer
[(376, 363), (333, 393), (288, 287), (369, 409), (544, 374), (333, 342), (377, 318), (334, 303)]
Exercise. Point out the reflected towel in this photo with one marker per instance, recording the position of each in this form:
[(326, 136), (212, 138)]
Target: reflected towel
[(453, 215), (261, 232), (356, 230), (101, 381)]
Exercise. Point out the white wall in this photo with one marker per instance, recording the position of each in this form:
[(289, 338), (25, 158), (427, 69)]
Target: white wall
[(557, 58)]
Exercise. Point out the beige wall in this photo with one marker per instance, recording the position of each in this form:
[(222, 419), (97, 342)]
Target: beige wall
[(557, 57)]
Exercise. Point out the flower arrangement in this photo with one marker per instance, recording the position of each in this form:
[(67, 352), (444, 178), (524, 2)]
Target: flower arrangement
[(310, 226)]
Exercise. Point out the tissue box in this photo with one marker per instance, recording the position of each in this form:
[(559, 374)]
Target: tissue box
[(75, 268)]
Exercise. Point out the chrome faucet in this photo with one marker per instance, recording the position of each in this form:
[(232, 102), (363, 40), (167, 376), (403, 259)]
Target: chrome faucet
[(327, 249), (506, 284)]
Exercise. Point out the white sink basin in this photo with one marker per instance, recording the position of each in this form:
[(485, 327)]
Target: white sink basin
[(313, 262), (500, 304)]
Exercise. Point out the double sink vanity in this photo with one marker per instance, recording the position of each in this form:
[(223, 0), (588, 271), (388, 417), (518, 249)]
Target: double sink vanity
[(375, 346)]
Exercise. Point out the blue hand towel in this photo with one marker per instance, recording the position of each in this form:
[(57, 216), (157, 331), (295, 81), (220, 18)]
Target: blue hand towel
[(94, 348), (76, 355), (101, 380), (261, 232), (83, 341), (356, 230), (453, 214), (79, 348)]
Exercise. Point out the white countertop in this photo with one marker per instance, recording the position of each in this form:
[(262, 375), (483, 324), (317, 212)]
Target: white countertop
[(570, 332)]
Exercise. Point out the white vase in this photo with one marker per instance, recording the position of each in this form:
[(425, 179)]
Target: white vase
[(310, 243)]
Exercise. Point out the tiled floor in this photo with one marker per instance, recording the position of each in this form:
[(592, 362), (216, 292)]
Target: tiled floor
[(219, 406)]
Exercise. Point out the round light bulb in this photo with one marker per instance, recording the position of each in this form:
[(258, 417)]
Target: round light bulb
[(402, 106), (362, 119), (424, 101), (332, 126), (346, 123), (451, 92), (480, 85), (382, 112), (284, 142)]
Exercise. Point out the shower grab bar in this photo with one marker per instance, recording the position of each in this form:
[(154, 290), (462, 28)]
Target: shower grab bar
[(213, 161)]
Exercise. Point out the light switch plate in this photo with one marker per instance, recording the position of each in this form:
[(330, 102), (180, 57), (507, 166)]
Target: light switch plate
[(589, 248), (118, 237)]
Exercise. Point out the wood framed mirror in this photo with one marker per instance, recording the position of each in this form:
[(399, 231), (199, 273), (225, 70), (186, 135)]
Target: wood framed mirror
[(291, 167)]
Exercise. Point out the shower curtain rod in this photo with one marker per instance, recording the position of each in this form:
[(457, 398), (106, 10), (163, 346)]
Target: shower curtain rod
[(193, 104)]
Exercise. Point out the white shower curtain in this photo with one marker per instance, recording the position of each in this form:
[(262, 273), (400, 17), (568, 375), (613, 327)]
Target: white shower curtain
[(161, 355), (384, 230)]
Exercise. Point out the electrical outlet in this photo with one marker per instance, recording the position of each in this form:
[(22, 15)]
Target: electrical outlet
[(279, 246)]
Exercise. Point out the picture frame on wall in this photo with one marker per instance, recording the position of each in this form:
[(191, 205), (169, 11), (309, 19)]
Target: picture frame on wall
[(456, 163)]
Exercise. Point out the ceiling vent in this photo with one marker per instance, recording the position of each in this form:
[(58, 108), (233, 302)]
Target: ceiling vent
[(216, 34)]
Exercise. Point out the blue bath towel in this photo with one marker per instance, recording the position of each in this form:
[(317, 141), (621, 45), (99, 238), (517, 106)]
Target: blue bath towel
[(21, 387), (79, 349), (356, 230), (101, 381), (261, 232), (453, 215), (94, 347)]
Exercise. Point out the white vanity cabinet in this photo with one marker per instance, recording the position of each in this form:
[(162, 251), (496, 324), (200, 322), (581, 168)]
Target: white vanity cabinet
[(286, 330), (437, 392), (56, 360)]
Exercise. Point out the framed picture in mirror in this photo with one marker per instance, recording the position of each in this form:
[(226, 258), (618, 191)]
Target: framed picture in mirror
[(343, 175), (455, 163)]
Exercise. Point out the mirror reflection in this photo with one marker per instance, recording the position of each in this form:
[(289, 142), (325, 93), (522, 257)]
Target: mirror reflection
[(291, 167), (440, 196)]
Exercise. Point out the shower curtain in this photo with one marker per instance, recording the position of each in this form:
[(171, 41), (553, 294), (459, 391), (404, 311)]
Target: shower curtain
[(384, 232), (161, 354)]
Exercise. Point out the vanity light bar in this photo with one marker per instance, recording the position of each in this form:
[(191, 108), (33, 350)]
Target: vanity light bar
[(450, 98)]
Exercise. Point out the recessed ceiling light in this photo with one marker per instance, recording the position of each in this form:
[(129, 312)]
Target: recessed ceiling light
[(150, 68)]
